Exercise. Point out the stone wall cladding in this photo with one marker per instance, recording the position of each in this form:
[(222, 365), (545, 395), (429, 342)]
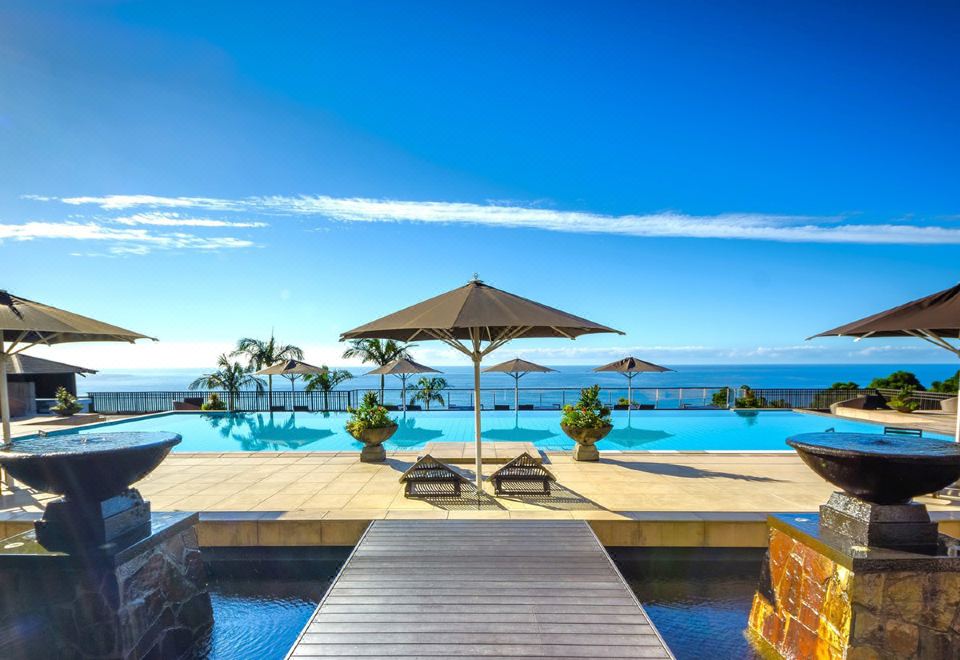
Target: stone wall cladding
[(820, 609), (153, 606)]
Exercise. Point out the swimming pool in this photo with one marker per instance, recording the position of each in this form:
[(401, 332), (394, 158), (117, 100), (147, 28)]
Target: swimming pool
[(640, 430)]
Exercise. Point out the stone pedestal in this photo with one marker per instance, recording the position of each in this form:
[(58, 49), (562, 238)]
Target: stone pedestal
[(585, 453), (824, 595), (145, 600), (373, 454)]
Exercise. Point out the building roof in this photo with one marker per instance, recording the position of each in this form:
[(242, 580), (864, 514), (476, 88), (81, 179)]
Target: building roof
[(30, 365)]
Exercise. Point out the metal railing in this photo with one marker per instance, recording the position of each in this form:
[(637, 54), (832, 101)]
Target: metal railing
[(245, 400), (532, 398)]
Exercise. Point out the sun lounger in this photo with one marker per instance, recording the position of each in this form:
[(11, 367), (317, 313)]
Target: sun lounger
[(526, 406), (501, 406), (278, 408), (524, 469), (428, 477), (188, 403), (301, 409)]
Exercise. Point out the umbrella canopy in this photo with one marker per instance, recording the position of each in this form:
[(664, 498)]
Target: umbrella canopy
[(476, 319), (402, 368), (934, 318), (25, 323), (630, 367), (291, 369), (517, 368)]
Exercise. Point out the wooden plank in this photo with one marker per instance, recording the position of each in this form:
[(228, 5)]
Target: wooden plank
[(491, 589)]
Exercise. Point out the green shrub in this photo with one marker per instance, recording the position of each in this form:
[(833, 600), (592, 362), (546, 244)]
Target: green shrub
[(849, 385), (369, 415), (66, 403), (721, 397), (948, 386), (896, 381), (214, 402), (588, 412)]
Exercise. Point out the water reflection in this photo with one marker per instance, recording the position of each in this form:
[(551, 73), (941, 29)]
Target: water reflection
[(518, 434), (264, 432), (630, 437), (409, 434)]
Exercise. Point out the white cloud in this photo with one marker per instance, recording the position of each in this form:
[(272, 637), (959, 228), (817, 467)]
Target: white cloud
[(742, 226), (143, 239), (167, 219)]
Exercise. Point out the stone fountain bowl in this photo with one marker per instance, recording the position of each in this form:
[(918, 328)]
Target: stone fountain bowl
[(94, 466), (879, 468)]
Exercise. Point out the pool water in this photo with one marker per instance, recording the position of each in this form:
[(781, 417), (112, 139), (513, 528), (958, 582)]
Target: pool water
[(651, 430), (698, 598), (258, 618)]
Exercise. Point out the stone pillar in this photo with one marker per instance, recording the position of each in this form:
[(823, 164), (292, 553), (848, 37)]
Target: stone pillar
[(147, 600), (823, 596)]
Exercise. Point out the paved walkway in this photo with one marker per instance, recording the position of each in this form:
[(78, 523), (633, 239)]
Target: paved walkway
[(339, 485), (491, 589)]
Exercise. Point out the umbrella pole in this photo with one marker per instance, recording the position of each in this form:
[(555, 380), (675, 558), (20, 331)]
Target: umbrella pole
[(476, 414), (4, 396), (516, 392), (403, 393)]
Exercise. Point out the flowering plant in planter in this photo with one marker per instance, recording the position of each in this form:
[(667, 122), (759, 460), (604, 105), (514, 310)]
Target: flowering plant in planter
[(587, 422), (370, 424), (368, 415), (588, 413)]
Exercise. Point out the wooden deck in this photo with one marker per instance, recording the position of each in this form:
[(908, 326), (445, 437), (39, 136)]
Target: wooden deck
[(476, 588)]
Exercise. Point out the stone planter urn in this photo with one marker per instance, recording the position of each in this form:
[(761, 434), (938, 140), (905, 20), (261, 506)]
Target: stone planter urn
[(586, 438), (373, 439)]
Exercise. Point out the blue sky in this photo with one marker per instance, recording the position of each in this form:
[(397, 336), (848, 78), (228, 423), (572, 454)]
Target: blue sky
[(719, 180)]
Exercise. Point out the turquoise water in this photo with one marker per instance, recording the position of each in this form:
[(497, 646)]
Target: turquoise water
[(651, 430)]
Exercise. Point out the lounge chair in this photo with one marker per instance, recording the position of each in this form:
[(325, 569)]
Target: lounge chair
[(524, 469), (501, 406), (525, 406), (301, 409), (189, 403), (428, 477), (414, 406), (900, 430), (278, 408)]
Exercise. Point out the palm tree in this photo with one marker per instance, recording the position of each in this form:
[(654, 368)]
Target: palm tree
[(231, 377), (429, 389), (378, 352), (262, 353), (326, 381)]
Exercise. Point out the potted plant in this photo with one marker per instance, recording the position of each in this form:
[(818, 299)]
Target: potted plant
[(586, 422), (67, 405), (213, 402), (370, 424), (904, 401)]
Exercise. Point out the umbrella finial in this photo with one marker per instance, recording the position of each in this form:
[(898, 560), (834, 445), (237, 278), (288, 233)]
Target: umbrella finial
[(476, 279)]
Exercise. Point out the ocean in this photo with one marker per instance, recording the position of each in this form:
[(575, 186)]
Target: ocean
[(734, 375)]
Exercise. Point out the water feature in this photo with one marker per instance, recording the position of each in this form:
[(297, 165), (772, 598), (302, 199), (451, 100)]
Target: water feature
[(869, 576), (108, 578)]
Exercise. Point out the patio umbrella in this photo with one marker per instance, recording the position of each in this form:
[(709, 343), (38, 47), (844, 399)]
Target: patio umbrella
[(471, 316), (517, 369), (935, 319), (25, 323), (292, 370), (402, 368), (630, 367)]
